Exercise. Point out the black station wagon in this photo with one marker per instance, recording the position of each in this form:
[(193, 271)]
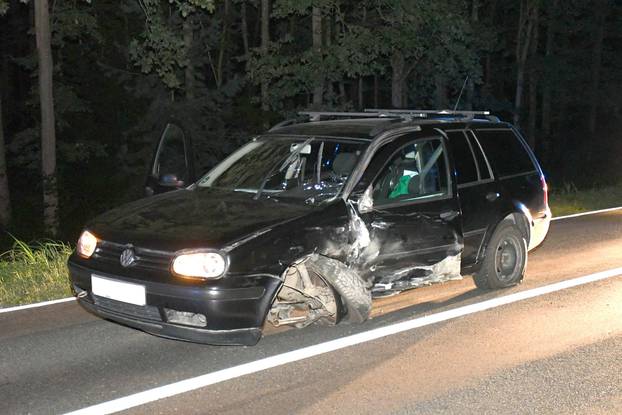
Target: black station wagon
[(311, 220)]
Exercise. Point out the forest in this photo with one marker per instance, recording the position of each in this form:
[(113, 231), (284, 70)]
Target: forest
[(86, 86)]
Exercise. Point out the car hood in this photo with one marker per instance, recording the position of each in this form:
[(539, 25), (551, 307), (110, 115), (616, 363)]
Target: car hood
[(198, 218)]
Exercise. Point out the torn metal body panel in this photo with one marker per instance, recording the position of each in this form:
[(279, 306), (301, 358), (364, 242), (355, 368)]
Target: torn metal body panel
[(418, 276), (304, 298)]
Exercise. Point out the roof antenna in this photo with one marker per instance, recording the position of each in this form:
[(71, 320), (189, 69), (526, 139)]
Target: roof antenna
[(461, 91)]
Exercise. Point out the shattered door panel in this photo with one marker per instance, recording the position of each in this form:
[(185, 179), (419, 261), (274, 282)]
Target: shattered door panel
[(411, 246), (415, 226)]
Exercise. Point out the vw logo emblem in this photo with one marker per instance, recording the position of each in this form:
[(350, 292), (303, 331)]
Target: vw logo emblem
[(127, 258)]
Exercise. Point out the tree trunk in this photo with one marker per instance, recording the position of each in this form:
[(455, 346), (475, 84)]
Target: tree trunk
[(597, 53), (224, 41), (316, 28), (342, 93), (189, 69), (546, 92), (527, 20), (533, 91), (376, 88), (491, 20), (563, 99), (440, 96), (48, 133), (244, 24), (470, 87), (533, 108), (5, 198), (360, 102), (265, 41), (398, 87)]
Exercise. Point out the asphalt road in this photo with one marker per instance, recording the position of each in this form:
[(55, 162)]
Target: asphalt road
[(555, 353)]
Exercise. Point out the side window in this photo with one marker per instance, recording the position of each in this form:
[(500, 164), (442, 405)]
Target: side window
[(466, 169), (416, 171), (505, 152)]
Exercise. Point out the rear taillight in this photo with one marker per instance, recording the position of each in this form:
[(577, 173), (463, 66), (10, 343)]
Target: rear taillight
[(545, 189)]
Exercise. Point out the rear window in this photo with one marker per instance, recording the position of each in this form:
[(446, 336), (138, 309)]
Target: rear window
[(505, 152), (466, 170)]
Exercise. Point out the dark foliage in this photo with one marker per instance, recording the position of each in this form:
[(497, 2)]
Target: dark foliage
[(123, 68)]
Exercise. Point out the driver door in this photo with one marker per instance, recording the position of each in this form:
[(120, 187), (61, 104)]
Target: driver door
[(414, 221), (172, 166)]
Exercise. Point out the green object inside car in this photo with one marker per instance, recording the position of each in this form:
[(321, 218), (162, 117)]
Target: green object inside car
[(401, 188)]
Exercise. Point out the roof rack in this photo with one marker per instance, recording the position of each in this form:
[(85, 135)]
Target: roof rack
[(406, 115), (317, 115), (434, 113), (426, 112), (312, 116)]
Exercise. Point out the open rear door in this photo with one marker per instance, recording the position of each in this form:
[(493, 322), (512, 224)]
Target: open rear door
[(173, 162)]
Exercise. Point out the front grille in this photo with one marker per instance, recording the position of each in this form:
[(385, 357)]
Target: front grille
[(145, 258), (146, 312)]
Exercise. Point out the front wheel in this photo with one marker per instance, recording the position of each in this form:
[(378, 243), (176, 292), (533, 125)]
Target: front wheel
[(505, 259)]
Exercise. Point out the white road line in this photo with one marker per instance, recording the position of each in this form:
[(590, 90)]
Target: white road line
[(35, 305), (191, 384), (591, 212), (62, 300)]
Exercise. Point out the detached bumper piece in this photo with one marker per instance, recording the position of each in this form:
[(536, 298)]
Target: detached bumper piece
[(227, 314)]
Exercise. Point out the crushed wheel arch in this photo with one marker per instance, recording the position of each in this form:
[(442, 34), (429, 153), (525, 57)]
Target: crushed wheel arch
[(354, 291)]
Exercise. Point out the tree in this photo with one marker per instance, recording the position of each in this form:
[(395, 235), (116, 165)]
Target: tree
[(533, 88), (551, 27), (527, 26), (225, 69), (5, 196), (601, 13), (400, 30), (5, 199), (48, 131), (265, 43), (316, 29)]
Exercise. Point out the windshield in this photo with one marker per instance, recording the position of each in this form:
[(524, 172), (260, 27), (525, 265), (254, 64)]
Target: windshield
[(311, 169)]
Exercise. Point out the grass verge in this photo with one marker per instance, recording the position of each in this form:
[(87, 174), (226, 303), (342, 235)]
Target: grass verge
[(568, 199), (33, 273)]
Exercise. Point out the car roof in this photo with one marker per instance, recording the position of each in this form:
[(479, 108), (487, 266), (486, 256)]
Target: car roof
[(350, 128), (369, 128)]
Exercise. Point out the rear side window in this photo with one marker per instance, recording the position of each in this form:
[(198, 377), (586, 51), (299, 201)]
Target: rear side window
[(505, 152), (483, 167), (466, 169)]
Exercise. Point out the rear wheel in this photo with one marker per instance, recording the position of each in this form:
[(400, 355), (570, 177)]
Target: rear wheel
[(505, 259)]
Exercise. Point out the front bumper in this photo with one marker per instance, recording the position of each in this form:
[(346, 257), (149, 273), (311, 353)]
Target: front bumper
[(234, 307)]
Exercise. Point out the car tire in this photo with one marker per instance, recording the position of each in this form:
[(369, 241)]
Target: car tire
[(353, 290), (505, 259)]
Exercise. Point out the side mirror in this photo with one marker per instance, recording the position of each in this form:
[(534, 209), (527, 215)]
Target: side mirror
[(170, 180), (364, 200)]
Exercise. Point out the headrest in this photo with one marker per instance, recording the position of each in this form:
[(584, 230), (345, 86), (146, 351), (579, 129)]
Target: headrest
[(344, 163)]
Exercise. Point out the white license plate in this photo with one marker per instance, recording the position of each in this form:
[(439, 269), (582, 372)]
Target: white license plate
[(118, 290)]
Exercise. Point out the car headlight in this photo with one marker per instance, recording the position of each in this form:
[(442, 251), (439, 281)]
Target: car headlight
[(86, 244), (200, 265)]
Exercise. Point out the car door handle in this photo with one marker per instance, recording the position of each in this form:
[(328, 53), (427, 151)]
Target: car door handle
[(492, 196), (449, 214)]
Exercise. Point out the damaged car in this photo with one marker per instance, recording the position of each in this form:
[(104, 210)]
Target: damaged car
[(309, 222)]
